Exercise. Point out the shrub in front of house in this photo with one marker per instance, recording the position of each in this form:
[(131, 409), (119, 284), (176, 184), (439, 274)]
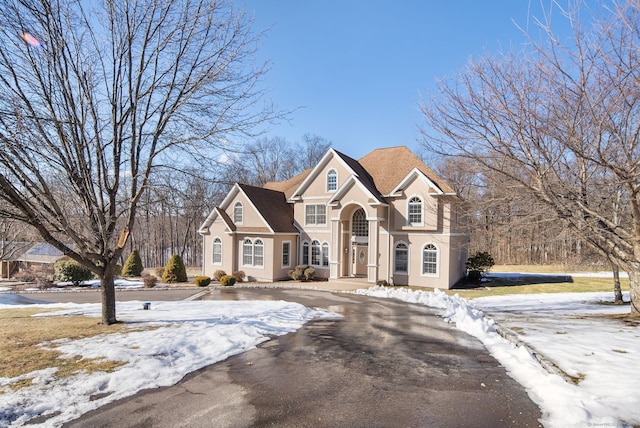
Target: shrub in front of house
[(298, 273), (67, 270), (133, 265), (174, 271), (478, 264), (239, 276), (309, 273), (218, 274), (202, 281), (150, 281), (227, 281)]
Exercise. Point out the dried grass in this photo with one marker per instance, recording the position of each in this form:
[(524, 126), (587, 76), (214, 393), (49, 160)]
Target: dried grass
[(21, 335)]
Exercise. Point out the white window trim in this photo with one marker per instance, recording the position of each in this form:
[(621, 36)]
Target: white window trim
[(213, 251), (253, 253), (438, 257), (400, 272), (282, 255), (335, 171), (241, 213), (315, 215), (310, 253), (422, 213)]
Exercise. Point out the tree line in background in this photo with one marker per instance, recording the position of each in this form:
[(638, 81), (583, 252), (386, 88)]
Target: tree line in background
[(553, 127), (174, 206)]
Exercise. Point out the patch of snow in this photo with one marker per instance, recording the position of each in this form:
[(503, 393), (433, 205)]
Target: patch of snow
[(602, 353)]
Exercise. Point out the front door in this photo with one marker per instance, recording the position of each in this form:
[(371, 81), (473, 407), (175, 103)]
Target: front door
[(359, 258)]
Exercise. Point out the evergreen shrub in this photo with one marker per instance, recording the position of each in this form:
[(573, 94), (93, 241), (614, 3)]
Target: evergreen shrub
[(227, 281), (133, 265), (202, 281), (71, 271), (174, 271)]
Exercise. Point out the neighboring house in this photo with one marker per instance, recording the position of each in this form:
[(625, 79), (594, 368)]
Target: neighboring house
[(25, 255), (386, 217)]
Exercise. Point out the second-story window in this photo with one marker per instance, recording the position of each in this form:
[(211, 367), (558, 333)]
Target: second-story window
[(415, 211), (237, 213), (332, 180), (316, 214)]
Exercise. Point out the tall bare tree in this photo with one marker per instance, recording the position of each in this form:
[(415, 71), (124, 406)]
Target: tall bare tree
[(96, 97), (559, 120)]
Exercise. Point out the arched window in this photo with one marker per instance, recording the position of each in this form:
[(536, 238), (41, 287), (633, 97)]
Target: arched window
[(237, 213), (305, 253), (359, 224), (217, 251), (332, 180), (429, 260), (247, 252), (401, 258), (325, 254), (258, 253), (415, 211), (315, 253)]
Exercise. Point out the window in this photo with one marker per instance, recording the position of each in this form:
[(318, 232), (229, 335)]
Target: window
[(237, 213), (359, 223), (332, 180), (325, 254), (305, 253), (315, 253), (286, 254), (247, 252), (316, 214), (429, 260), (217, 251), (258, 253), (415, 211), (252, 252), (401, 258)]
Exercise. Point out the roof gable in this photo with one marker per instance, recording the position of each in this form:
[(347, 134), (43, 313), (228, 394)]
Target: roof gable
[(390, 166), (350, 164), (270, 205)]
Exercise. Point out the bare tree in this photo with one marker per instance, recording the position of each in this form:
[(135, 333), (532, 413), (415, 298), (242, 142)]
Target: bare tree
[(96, 97), (312, 148), (559, 120)]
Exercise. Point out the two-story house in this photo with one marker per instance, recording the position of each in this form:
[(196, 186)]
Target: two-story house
[(386, 217)]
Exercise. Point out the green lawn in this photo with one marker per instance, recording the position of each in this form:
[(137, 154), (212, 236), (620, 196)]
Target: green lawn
[(533, 284)]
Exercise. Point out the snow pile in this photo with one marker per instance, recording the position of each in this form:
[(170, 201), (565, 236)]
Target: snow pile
[(186, 336), (590, 403)]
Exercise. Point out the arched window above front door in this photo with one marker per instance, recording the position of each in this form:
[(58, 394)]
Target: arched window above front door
[(359, 224)]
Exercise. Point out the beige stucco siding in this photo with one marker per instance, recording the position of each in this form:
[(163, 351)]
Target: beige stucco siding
[(318, 186)]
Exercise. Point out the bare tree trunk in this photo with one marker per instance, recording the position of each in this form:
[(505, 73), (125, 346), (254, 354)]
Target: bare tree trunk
[(634, 293), (617, 291), (107, 286)]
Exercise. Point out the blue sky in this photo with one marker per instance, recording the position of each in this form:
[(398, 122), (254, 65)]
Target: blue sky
[(357, 68)]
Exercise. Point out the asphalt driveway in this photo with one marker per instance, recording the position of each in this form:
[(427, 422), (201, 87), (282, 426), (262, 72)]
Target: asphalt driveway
[(384, 364)]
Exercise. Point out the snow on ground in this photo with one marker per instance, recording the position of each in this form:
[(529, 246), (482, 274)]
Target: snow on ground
[(185, 337), (603, 353), (568, 329)]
